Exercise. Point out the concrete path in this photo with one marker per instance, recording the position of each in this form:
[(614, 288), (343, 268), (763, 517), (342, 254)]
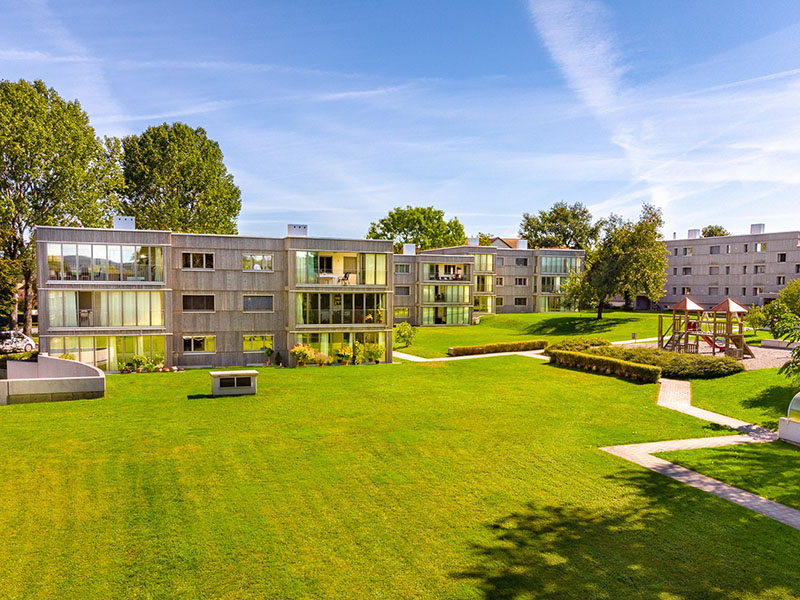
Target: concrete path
[(676, 395), (412, 358)]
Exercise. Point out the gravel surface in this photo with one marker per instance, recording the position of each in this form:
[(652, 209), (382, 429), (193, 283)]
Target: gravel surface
[(766, 358)]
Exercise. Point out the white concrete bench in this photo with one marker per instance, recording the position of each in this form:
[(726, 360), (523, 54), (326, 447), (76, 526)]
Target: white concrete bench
[(234, 383)]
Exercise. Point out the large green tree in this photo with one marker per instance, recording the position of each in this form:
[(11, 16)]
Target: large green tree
[(629, 258), (53, 171), (424, 226), (563, 226), (715, 231), (175, 179)]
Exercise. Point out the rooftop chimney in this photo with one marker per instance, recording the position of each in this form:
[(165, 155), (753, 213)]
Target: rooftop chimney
[(123, 222), (694, 234), (522, 244), (756, 229), (409, 249), (674, 235), (298, 230), (473, 241)]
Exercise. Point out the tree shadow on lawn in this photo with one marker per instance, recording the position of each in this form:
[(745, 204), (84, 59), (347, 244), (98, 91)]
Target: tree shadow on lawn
[(570, 326), (774, 400), (662, 539)]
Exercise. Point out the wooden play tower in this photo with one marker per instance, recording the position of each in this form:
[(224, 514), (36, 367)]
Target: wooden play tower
[(721, 327)]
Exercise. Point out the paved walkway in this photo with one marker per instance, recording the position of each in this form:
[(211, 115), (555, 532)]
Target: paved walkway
[(676, 395), (412, 358)]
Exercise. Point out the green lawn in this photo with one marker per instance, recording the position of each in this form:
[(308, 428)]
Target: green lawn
[(465, 479), (769, 470), (759, 397), (432, 342)]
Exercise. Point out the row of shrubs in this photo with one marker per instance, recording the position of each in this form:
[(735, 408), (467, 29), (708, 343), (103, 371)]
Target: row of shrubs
[(497, 347), (369, 352), (674, 365), (578, 344), (606, 365)]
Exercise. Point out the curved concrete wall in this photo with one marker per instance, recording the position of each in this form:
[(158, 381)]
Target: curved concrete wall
[(49, 380)]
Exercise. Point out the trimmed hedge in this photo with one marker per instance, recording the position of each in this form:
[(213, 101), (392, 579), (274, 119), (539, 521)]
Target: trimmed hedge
[(606, 365), (673, 364), (577, 344), (497, 347)]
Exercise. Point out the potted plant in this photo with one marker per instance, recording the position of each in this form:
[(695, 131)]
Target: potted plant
[(302, 353), (278, 359), (373, 352), (358, 354), (345, 355), (268, 354), (321, 359)]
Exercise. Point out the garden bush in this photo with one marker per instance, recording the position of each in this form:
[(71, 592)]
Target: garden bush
[(675, 365), (577, 344), (606, 365), (404, 335), (497, 347)]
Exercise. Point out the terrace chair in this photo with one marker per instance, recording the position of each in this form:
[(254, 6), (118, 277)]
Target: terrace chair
[(344, 279)]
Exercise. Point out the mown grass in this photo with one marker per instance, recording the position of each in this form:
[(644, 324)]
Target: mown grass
[(769, 470), (469, 479), (759, 397), (432, 342)]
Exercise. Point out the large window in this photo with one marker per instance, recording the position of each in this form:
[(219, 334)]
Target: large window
[(521, 261), (445, 272), (257, 303), (483, 283), (402, 268), (340, 268), (520, 281), (551, 285), (340, 308), (199, 343), (256, 343), (451, 315), (104, 262), (560, 264), (109, 353), (198, 303), (198, 260), (483, 262), (550, 304), (256, 262), (111, 308), (483, 304), (445, 293), (401, 312), (329, 342)]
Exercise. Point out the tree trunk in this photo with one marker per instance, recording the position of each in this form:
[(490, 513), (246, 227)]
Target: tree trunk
[(27, 327), (599, 310), (13, 318)]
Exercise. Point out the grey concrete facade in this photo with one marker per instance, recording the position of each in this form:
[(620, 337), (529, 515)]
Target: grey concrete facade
[(750, 269)]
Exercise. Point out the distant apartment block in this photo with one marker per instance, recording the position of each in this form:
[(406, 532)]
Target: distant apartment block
[(452, 286), (750, 269)]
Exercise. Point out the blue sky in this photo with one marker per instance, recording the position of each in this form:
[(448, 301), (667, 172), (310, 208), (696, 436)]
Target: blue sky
[(333, 112)]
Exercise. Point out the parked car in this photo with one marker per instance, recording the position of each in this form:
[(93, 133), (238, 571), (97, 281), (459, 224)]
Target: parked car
[(15, 341)]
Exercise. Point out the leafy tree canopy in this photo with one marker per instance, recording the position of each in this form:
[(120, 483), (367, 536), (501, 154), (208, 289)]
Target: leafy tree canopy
[(715, 231), (424, 226), (175, 179), (563, 226), (629, 258), (55, 171), (485, 239)]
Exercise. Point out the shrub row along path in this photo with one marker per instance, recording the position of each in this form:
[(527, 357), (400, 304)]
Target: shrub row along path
[(677, 395)]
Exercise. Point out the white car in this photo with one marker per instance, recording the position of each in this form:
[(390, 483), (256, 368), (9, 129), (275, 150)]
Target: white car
[(15, 341)]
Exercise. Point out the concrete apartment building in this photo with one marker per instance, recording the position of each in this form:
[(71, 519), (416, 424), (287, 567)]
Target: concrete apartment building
[(452, 286), (106, 295), (750, 269)]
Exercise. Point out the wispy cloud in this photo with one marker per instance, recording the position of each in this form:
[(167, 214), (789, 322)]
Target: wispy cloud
[(683, 142)]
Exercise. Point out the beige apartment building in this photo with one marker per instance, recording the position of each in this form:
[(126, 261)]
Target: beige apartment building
[(750, 269)]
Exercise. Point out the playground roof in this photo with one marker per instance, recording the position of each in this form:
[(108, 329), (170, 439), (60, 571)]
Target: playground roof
[(687, 304), (727, 306)]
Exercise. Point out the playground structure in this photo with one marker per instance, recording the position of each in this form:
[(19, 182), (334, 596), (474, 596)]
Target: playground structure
[(721, 327)]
